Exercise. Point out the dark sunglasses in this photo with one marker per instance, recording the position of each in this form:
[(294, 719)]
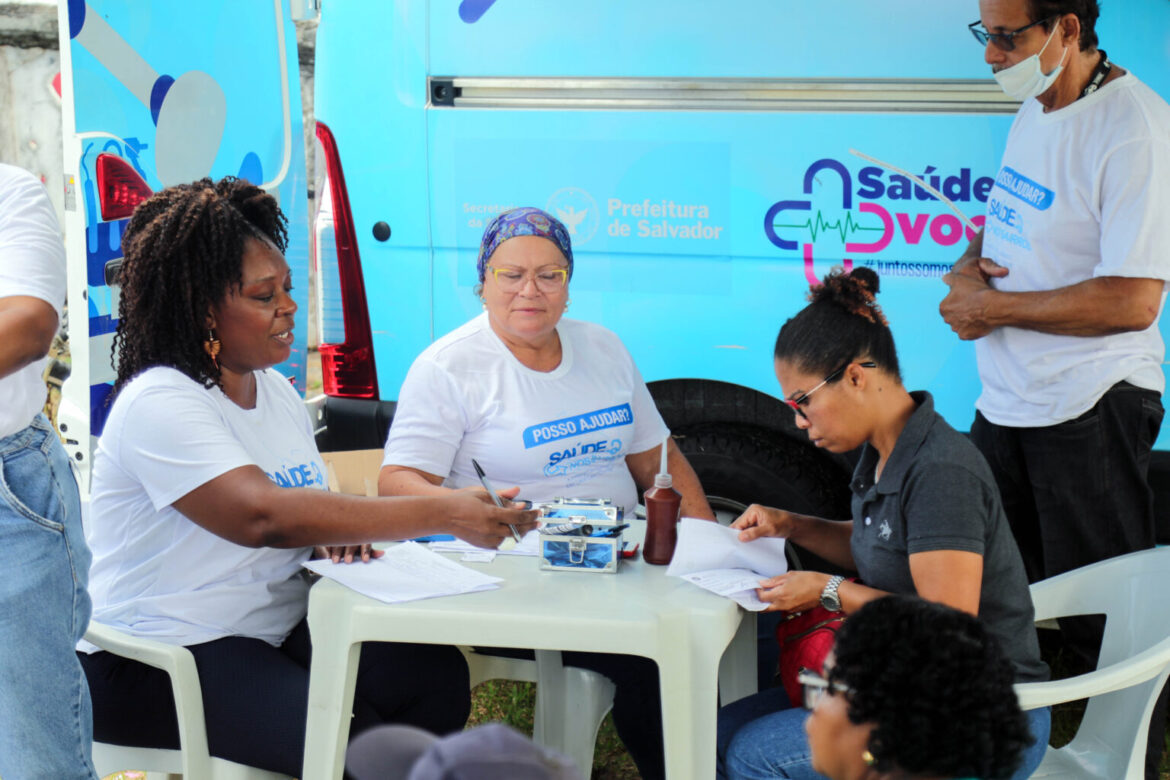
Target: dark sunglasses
[(796, 403), (1004, 41)]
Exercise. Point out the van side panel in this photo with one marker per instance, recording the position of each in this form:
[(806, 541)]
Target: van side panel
[(371, 90), (705, 173)]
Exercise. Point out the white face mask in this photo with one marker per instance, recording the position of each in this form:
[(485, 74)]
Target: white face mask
[(1025, 79)]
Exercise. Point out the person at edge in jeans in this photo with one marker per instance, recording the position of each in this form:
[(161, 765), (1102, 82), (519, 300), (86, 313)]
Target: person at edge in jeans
[(926, 517), (1062, 292), (45, 717), (914, 690)]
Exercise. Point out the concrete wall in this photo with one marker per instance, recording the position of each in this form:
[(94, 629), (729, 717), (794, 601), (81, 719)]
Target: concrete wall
[(30, 131)]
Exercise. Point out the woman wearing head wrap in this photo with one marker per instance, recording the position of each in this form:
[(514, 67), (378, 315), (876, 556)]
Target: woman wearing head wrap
[(926, 517), (553, 406)]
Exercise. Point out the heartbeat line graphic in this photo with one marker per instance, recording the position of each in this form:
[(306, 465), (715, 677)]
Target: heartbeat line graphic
[(844, 227)]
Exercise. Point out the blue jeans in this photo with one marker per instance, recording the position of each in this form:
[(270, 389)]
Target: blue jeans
[(762, 736), (45, 720)]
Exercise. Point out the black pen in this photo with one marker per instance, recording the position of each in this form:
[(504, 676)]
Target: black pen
[(483, 480)]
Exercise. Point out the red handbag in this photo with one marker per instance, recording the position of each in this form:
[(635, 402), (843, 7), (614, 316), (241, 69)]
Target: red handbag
[(805, 640)]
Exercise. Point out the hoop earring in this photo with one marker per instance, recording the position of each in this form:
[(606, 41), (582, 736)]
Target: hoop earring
[(212, 346)]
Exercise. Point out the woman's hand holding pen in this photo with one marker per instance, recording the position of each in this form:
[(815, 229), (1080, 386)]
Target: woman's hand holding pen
[(758, 520), (475, 519), (795, 591)]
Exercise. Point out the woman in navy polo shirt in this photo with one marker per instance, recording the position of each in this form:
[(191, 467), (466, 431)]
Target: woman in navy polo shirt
[(926, 514)]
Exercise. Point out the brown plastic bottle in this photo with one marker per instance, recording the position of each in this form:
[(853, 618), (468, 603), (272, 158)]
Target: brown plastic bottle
[(663, 504)]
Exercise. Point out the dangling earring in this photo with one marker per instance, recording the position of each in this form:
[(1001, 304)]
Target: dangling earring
[(567, 302), (484, 304), (212, 346), (868, 758)]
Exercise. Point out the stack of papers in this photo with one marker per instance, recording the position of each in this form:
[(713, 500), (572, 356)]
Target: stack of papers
[(528, 545), (712, 556), (407, 572)]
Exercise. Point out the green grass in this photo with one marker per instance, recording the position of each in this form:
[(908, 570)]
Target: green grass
[(512, 703)]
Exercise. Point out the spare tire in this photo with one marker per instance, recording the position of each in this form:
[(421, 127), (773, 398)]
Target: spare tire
[(755, 466)]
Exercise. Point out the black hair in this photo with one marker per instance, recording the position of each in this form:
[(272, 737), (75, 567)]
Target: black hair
[(1086, 11), (842, 323), (935, 685), (183, 252)]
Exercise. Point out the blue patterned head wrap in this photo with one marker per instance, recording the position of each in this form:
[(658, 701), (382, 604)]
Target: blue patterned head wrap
[(524, 221)]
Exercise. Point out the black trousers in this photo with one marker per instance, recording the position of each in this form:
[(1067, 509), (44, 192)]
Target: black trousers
[(255, 696), (1077, 493)]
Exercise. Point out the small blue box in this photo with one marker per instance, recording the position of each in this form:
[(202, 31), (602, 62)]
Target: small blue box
[(580, 534)]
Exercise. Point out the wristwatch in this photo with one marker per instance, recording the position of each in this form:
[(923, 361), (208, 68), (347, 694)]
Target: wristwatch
[(829, 598)]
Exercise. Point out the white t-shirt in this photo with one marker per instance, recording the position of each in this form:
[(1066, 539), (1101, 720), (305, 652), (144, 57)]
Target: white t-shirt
[(157, 574), (1082, 193), (565, 433), (32, 262)]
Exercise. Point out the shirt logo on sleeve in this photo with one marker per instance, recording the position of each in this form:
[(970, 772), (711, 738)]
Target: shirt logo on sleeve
[(587, 422), (1035, 195), (304, 475)]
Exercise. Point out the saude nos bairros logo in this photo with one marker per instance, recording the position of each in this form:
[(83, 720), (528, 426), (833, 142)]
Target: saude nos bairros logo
[(867, 227)]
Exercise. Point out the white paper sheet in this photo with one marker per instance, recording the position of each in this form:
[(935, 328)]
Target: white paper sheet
[(703, 545), (528, 545), (739, 585), (407, 572), (712, 556)]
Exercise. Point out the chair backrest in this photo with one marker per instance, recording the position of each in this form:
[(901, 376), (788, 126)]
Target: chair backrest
[(353, 471), (1131, 591)]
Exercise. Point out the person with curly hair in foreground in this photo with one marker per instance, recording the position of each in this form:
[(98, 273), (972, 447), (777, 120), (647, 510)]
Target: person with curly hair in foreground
[(926, 516), (209, 494), (914, 689)]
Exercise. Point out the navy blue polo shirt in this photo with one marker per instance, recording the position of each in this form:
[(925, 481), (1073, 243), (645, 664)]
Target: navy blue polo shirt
[(937, 493)]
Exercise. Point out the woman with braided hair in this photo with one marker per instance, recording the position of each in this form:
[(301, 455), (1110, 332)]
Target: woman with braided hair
[(926, 515), (208, 495)]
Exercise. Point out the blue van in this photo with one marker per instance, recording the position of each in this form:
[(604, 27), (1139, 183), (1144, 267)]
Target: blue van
[(702, 157), (706, 157)]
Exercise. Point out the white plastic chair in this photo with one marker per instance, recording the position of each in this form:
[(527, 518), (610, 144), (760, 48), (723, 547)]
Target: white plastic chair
[(191, 761), (1132, 668)]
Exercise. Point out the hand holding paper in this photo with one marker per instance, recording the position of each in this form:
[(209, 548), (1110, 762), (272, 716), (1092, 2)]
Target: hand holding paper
[(712, 557)]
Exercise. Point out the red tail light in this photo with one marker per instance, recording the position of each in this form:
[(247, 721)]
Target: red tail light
[(120, 188), (347, 369)]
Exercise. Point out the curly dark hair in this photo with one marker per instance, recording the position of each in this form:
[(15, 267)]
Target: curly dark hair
[(841, 323), (936, 686), (182, 252)]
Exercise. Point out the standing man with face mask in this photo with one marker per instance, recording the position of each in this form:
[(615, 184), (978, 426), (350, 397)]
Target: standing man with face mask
[(1063, 290)]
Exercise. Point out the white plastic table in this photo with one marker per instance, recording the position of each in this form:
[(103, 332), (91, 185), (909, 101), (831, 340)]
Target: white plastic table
[(637, 611)]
